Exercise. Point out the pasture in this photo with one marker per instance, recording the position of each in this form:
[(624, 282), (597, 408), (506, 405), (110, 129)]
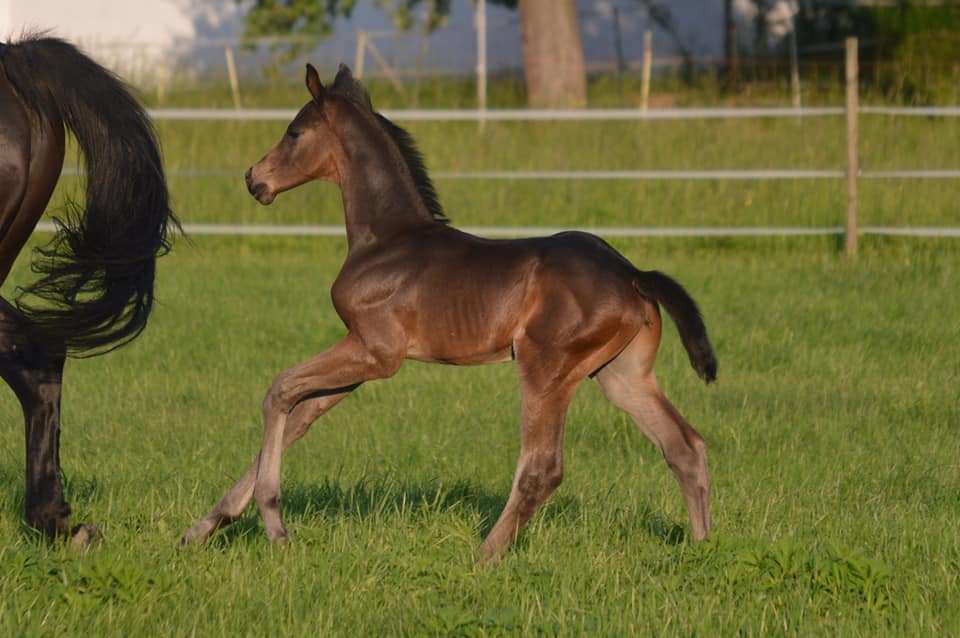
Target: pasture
[(832, 429)]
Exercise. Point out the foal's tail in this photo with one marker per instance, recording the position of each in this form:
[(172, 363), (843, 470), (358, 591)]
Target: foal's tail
[(95, 286), (686, 315)]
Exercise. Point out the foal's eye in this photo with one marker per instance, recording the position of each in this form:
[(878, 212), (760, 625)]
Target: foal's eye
[(293, 134)]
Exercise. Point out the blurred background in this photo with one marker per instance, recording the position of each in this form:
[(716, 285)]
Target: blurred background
[(702, 51), (668, 133)]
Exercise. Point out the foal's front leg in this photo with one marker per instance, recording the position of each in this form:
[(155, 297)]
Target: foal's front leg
[(297, 398), (233, 504), (336, 371)]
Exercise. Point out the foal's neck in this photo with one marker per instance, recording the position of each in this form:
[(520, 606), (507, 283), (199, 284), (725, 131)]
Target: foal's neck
[(380, 197)]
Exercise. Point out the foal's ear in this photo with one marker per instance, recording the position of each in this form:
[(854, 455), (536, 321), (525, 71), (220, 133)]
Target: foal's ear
[(314, 85), (343, 74)]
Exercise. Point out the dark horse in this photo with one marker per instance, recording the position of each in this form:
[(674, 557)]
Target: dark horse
[(564, 308), (94, 285)]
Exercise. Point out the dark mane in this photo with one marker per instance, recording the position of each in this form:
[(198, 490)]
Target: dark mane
[(418, 170), (354, 92)]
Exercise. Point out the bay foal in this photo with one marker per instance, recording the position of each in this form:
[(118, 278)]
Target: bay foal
[(563, 307)]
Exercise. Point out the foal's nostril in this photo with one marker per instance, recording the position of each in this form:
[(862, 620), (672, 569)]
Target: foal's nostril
[(249, 178)]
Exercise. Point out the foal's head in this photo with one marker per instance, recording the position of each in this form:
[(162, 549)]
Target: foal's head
[(323, 140), (309, 148)]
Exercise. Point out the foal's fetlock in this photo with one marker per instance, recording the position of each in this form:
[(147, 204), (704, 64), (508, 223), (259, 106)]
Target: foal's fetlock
[(200, 531), (55, 525), (268, 500)]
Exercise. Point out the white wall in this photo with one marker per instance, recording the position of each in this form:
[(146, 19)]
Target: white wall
[(137, 38), (146, 40), (6, 7)]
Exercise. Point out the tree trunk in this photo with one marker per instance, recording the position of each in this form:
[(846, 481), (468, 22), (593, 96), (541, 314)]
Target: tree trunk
[(553, 54), (730, 45)]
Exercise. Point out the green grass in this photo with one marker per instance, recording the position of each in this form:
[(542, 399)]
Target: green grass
[(832, 431), (832, 435)]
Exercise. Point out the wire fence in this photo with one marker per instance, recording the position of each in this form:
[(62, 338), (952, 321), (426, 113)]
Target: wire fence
[(595, 115), (329, 230), (571, 115), (851, 173)]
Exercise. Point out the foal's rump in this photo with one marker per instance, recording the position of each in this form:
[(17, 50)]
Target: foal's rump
[(589, 260)]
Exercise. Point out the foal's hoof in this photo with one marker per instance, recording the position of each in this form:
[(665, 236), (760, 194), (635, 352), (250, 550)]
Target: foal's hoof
[(197, 534), (278, 536), (85, 536), (486, 555)]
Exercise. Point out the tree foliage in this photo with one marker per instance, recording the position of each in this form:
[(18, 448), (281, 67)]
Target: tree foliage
[(435, 13), (305, 19), (297, 18)]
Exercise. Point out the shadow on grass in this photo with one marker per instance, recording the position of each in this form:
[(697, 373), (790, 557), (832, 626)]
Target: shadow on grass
[(652, 522), (315, 503), (378, 497)]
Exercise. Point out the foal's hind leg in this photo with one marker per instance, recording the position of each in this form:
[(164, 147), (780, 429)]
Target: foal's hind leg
[(539, 469), (628, 381), (233, 504), (35, 371), (548, 379)]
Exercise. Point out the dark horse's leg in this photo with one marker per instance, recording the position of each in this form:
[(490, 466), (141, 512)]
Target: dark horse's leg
[(35, 372), (31, 367), (93, 284)]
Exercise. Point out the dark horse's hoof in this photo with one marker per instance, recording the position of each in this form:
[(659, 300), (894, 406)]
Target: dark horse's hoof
[(85, 536)]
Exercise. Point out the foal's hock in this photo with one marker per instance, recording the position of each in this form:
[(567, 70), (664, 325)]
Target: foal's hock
[(412, 287)]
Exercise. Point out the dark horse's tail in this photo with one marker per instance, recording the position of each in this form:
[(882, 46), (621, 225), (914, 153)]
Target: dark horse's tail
[(686, 315), (95, 286)]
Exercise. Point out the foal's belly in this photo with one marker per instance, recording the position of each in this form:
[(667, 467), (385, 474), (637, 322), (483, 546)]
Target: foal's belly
[(462, 336), (463, 359), (463, 329)]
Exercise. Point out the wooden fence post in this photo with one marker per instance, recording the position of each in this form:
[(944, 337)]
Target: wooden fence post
[(794, 66), (481, 24), (853, 162), (360, 54), (647, 63), (232, 76)]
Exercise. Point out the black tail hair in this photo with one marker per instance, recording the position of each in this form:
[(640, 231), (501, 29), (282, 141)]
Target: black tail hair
[(686, 315), (95, 285)]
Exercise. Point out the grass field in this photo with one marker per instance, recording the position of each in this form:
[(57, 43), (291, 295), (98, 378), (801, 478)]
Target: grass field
[(832, 430), (832, 434)]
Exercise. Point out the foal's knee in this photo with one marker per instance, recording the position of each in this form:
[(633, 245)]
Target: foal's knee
[(280, 395)]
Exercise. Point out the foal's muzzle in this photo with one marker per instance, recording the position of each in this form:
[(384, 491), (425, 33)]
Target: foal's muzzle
[(259, 190)]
